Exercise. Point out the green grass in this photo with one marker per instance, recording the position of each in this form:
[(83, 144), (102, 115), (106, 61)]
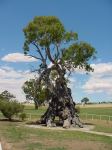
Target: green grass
[(40, 146), (83, 111), (25, 138), (103, 128), (32, 110), (36, 145), (21, 137), (97, 111), (56, 148), (16, 132)]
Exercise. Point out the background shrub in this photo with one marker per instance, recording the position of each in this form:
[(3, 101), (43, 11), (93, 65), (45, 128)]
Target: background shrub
[(10, 108)]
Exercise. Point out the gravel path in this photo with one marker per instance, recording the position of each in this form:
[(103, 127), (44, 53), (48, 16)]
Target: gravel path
[(86, 129)]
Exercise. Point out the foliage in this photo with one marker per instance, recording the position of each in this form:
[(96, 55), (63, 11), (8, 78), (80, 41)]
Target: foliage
[(6, 95), (77, 109), (10, 108), (59, 53), (32, 93), (23, 116), (47, 40), (52, 42)]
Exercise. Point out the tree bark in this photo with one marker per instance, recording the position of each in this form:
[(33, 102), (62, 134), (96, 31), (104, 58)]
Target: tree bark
[(62, 107), (36, 104), (61, 103)]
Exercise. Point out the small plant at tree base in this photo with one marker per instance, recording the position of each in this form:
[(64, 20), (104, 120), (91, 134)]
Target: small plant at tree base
[(77, 109), (23, 116)]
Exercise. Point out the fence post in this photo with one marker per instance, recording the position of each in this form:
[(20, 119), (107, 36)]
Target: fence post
[(86, 116), (109, 118), (30, 117), (100, 117)]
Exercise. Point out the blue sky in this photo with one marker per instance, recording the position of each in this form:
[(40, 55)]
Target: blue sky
[(91, 19)]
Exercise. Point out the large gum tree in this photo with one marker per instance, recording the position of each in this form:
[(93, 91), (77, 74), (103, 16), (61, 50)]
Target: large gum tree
[(59, 52)]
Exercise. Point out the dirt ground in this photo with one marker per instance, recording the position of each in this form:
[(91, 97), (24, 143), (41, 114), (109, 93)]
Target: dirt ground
[(69, 145)]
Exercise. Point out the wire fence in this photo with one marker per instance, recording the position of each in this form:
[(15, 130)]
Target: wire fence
[(83, 116), (86, 116)]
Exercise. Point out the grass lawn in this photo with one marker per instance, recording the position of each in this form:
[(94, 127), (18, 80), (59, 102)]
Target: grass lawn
[(16, 136), (100, 125), (99, 110)]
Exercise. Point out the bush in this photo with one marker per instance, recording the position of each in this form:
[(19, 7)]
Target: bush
[(77, 109), (10, 108), (22, 116)]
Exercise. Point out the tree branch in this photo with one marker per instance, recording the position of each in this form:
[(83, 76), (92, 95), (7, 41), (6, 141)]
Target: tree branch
[(49, 55), (34, 57), (57, 48), (39, 51)]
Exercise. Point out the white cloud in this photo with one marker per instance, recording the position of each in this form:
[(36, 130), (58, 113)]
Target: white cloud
[(18, 57), (102, 69), (13, 80), (100, 80), (98, 85)]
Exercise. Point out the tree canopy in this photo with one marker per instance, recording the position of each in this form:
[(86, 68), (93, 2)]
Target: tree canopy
[(85, 100), (6, 95), (52, 43), (38, 95)]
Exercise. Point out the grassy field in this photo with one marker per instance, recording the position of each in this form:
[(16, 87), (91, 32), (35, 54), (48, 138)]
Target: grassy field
[(98, 109), (87, 109), (16, 136), (102, 125)]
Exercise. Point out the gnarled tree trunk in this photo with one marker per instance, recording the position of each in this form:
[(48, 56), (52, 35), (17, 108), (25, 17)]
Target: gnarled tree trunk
[(61, 105)]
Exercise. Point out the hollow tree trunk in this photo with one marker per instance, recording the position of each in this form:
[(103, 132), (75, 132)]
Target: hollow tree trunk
[(63, 107), (61, 102)]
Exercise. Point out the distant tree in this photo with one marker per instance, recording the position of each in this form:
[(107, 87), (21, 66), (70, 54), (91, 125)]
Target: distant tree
[(38, 95), (85, 100), (7, 95)]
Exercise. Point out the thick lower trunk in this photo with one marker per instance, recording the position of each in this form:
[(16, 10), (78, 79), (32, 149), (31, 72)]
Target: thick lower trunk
[(61, 103), (64, 108), (10, 119), (36, 104), (36, 107)]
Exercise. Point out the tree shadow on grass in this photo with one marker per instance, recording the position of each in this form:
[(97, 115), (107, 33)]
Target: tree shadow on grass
[(13, 120), (88, 123)]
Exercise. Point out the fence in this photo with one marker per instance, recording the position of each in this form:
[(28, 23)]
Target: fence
[(83, 116), (86, 116)]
